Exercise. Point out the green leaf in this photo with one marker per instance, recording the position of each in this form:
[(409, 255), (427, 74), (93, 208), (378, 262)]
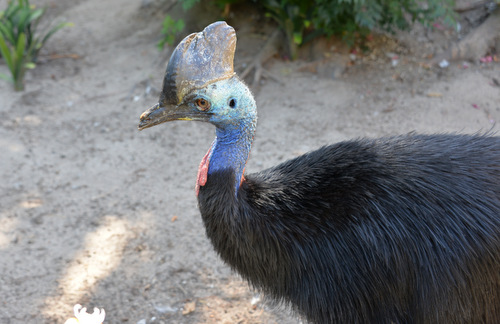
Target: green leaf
[(24, 3), (22, 20), (34, 15), (179, 25), (12, 9), (5, 51), (53, 30), (7, 32), (18, 59), (21, 45), (297, 38), (170, 28)]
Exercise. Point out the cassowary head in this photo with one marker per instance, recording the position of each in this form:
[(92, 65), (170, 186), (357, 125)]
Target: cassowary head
[(200, 83)]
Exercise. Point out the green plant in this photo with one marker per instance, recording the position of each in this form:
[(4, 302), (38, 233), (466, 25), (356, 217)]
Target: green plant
[(293, 16), (170, 28), (16, 60), (352, 19), (20, 42)]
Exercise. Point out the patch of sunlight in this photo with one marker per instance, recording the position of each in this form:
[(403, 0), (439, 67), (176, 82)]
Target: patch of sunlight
[(32, 120), (31, 203), (12, 146), (6, 232), (101, 254)]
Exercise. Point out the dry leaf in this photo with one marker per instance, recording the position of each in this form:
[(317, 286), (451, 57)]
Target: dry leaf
[(189, 308)]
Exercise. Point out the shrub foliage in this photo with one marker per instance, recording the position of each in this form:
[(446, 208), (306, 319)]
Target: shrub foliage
[(353, 20), (21, 39)]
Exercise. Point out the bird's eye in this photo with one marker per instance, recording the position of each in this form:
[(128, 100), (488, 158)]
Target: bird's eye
[(232, 103), (202, 104)]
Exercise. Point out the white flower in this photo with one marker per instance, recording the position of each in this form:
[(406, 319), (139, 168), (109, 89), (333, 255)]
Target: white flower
[(82, 317)]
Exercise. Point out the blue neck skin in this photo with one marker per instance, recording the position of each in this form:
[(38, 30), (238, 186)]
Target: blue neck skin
[(231, 148)]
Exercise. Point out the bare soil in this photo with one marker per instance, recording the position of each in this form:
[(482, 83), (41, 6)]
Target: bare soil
[(94, 212)]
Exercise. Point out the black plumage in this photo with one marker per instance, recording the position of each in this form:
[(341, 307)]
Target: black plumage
[(394, 230)]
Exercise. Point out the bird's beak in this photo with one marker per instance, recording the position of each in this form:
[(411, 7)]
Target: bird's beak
[(160, 113), (156, 115)]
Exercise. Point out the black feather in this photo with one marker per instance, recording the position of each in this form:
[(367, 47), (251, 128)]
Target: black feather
[(395, 230)]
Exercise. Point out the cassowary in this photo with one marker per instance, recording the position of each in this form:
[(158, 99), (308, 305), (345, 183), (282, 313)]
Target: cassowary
[(402, 229)]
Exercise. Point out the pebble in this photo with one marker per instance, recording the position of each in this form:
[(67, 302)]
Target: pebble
[(444, 64), (165, 309)]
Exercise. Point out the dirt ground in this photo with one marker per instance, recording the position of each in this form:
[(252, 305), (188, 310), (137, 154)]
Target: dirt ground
[(94, 212)]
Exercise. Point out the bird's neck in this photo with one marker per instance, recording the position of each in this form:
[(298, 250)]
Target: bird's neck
[(230, 150)]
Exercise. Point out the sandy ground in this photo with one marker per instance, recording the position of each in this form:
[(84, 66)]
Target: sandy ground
[(94, 212)]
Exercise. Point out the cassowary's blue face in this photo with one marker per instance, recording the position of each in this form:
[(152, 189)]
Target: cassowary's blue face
[(227, 104)]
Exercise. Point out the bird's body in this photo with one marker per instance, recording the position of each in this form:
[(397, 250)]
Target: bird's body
[(395, 230)]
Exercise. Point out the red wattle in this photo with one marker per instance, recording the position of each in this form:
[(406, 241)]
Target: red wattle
[(201, 179)]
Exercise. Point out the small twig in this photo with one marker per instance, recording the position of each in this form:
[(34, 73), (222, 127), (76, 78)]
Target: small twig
[(267, 51), (270, 75), (60, 56), (181, 289)]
